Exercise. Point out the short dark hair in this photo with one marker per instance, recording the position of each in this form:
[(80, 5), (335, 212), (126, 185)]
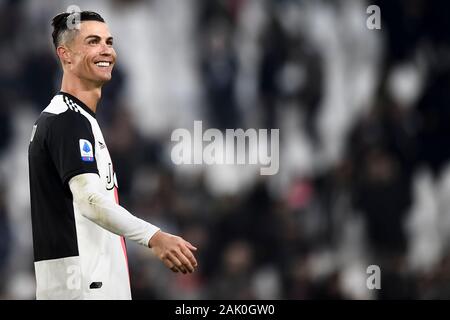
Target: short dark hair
[(60, 24)]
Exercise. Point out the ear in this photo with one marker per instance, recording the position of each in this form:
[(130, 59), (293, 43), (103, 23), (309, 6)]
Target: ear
[(64, 55)]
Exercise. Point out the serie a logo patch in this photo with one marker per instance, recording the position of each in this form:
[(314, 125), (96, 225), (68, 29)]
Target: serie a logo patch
[(86, 150)]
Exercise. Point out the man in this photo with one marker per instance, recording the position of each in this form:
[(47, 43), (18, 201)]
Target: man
[(78, 225)]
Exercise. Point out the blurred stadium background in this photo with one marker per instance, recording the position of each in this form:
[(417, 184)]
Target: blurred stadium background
[(364, 119)]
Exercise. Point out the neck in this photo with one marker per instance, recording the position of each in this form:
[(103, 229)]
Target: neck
[(87, 92)]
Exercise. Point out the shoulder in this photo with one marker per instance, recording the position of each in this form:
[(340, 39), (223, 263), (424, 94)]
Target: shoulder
[(64, 107), (56, 106), (62, 115)]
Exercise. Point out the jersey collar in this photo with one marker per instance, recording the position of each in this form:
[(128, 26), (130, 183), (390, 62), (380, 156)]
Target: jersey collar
[(78, 102)]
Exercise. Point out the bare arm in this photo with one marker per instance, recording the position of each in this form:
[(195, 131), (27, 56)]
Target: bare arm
[(174, 251)]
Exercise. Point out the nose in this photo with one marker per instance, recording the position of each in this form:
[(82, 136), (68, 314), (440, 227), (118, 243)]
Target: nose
[(106, 50)]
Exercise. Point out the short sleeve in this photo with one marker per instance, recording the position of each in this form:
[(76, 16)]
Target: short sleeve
[(71, 145)]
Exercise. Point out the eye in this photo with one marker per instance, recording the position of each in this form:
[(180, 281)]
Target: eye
[(93, 41)]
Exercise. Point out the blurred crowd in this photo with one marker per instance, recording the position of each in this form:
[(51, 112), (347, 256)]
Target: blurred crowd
[(364, 119)]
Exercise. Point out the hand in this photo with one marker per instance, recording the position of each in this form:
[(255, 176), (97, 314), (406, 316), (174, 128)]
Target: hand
[(174, 251)]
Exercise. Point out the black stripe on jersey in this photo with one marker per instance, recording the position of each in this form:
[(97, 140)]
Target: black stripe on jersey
[(52, 213), (54, 157)]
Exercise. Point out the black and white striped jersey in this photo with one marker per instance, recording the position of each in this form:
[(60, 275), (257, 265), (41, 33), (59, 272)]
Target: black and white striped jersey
[(74, 257)]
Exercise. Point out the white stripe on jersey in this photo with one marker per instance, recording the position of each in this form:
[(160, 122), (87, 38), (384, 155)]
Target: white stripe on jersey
[(56, 106), (50, 274)]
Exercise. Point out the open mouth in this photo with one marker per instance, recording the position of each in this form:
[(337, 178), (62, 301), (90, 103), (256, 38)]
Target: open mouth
[(103, 64)]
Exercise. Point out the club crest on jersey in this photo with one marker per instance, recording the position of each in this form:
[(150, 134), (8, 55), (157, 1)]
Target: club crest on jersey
[(86, 150)]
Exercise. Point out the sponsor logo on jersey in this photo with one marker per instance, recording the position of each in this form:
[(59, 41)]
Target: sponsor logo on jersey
[(86, 150), (111, 178)]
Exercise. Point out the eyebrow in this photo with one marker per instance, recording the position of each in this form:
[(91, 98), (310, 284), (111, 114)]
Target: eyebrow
[(98, 37)]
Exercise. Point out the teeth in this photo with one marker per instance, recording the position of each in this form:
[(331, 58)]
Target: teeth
[(103, 64)]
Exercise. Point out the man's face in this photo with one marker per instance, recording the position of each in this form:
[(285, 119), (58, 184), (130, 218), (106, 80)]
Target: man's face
[(92, 53)]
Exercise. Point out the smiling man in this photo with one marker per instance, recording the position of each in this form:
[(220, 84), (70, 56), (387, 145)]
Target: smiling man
[(78, 225)]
